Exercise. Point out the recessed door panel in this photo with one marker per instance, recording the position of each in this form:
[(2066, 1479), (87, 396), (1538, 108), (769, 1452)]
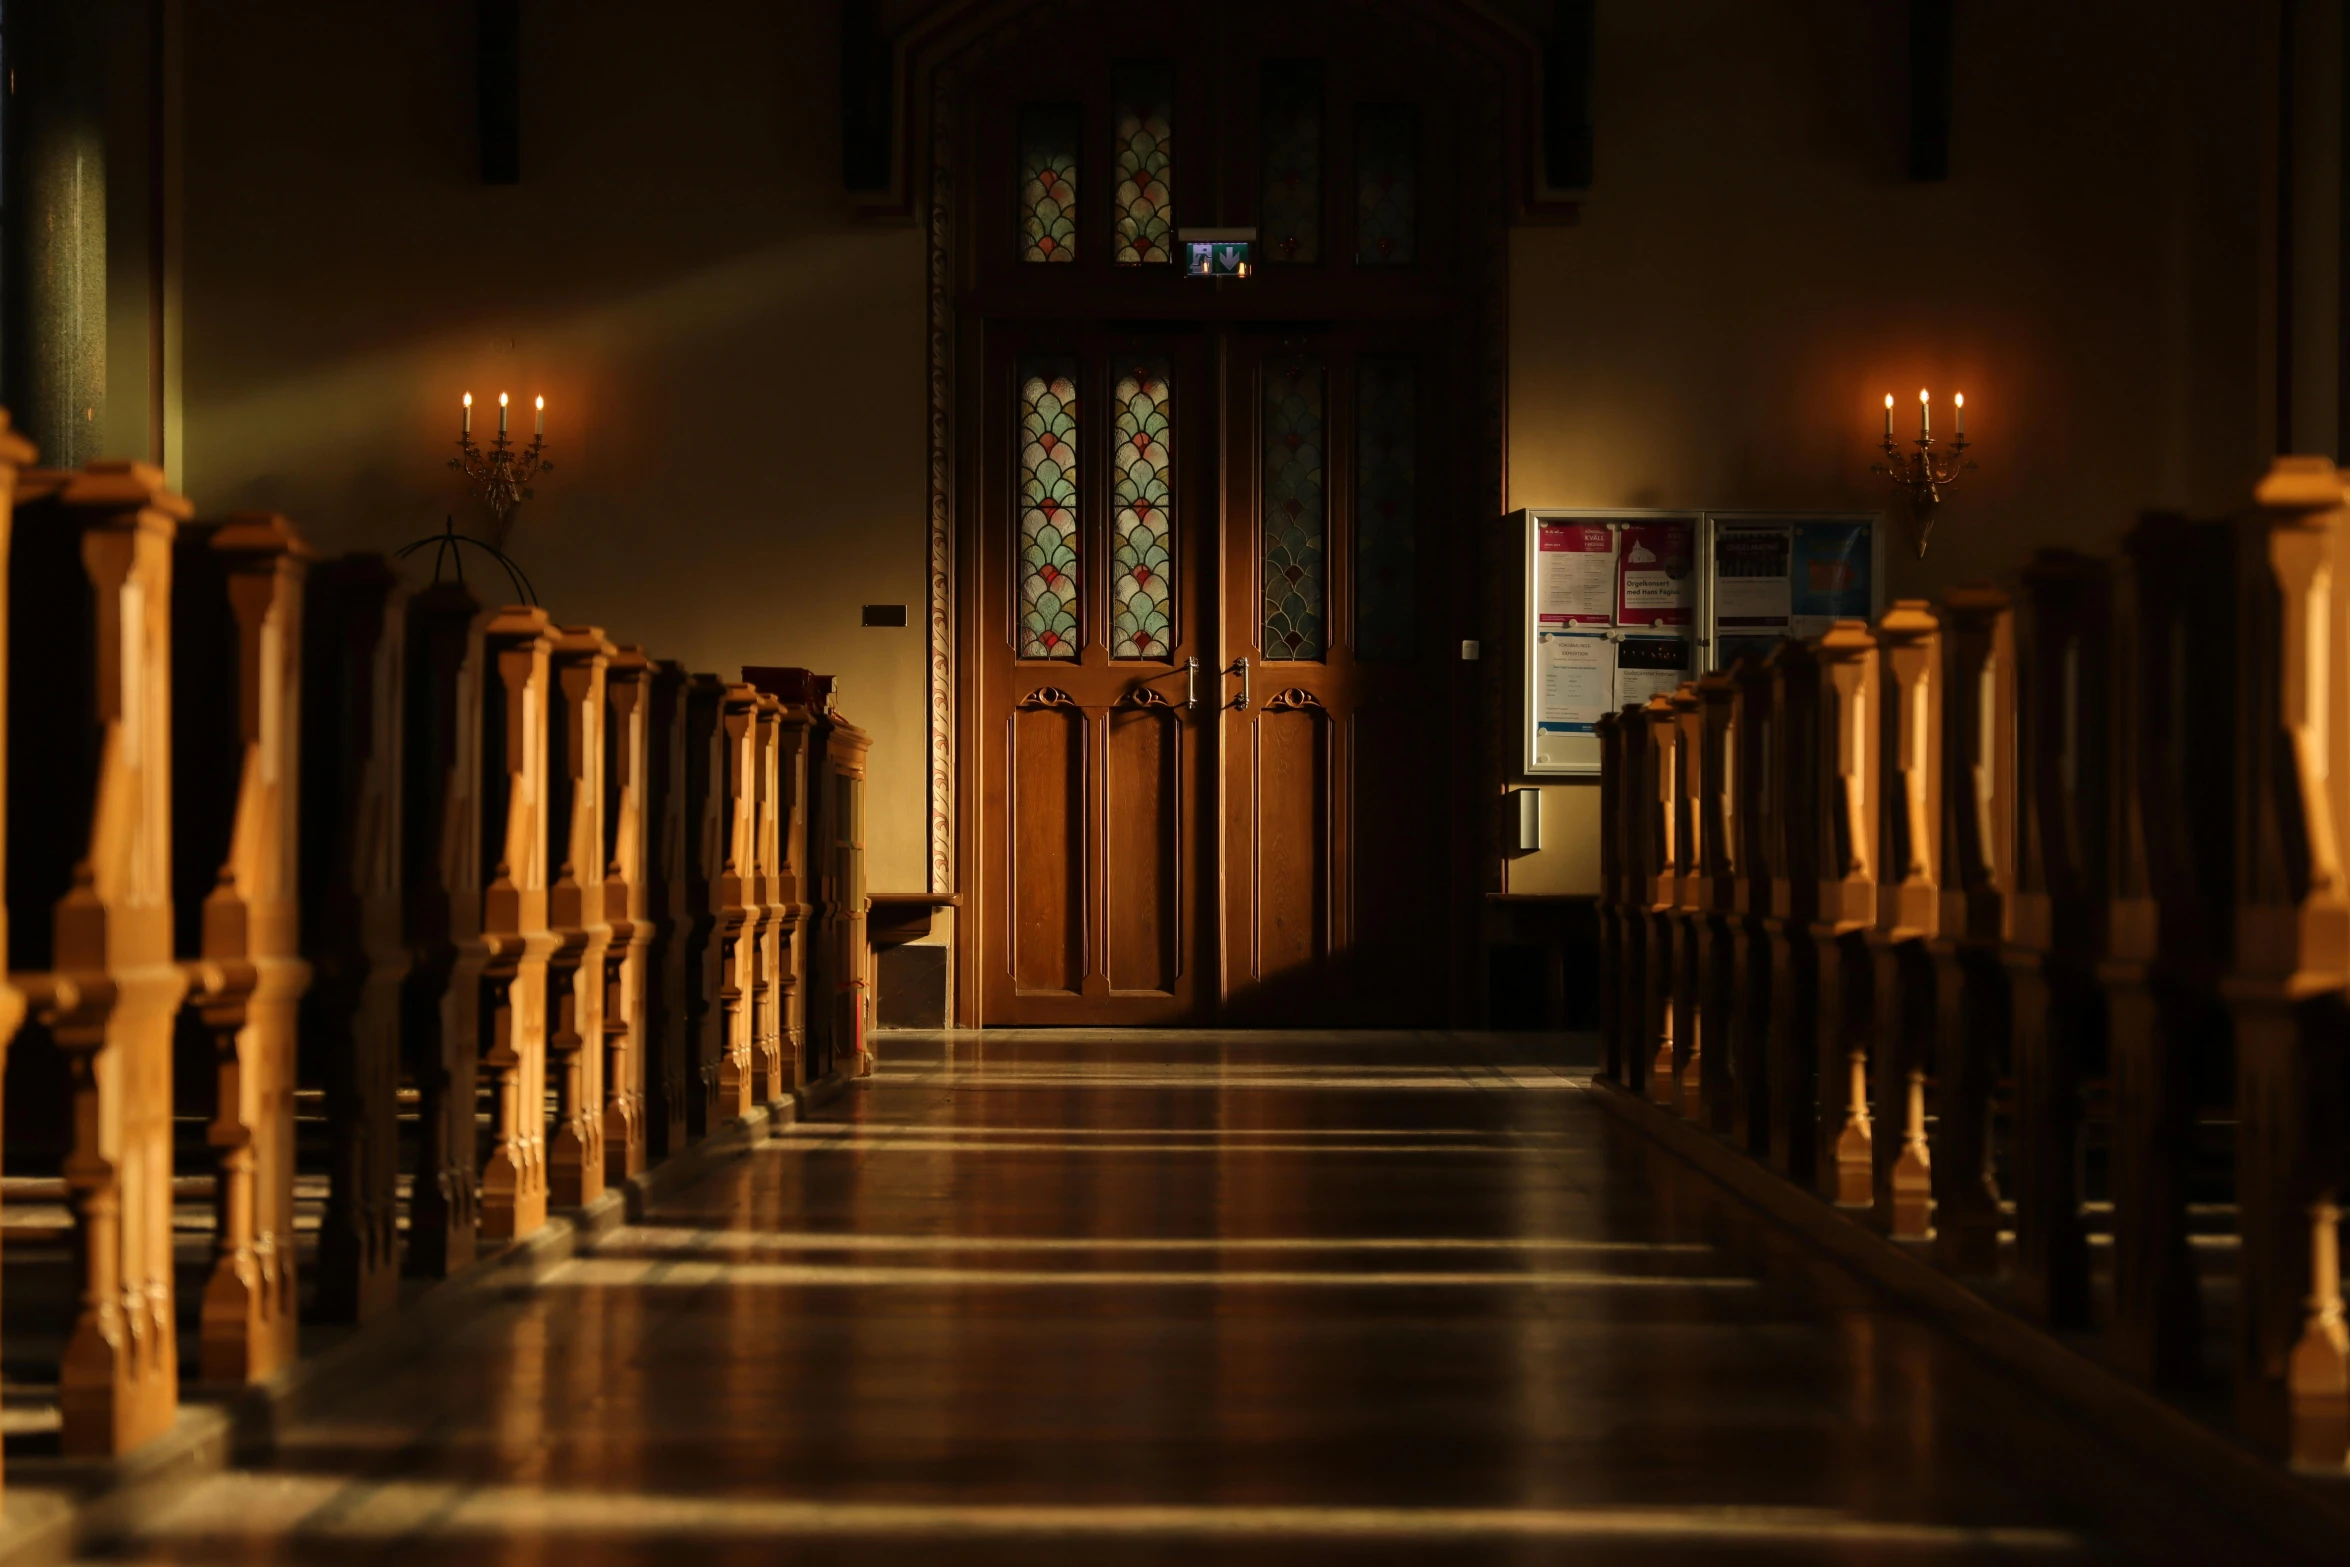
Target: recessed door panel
[(1144, 896), (1048, 849)]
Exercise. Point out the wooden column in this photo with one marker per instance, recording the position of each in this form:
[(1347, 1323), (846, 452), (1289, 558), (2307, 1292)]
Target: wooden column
[(628, 684), (670, 1086), (1611, 860), (16, 454), (1909, 914), (355, 651), (1752, 832), (580, 936), (440, 849), (1849, 781), (2292, 958), (1660, 729), (517, 643), (734, 936), (771, 1084), (89, 716), (236, 670), (2057, 928), (1714, 894), (2167, 921), (1978, 879), (1791, 1051)]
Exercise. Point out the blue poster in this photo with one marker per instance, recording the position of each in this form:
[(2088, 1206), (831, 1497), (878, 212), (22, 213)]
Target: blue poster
[(1834, 575)]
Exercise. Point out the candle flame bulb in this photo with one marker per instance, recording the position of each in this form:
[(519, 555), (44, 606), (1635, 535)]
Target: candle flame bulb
[(467, 427), (1959, 399), (1888, 402), (1924, 396), (502, 398), (543, 402), (469, 399), (542, 424)]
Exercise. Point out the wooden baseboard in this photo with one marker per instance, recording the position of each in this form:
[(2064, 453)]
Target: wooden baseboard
[(2296, 1513)]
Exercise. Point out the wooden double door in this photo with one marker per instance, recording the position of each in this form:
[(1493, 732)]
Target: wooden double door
[(1216, 660)]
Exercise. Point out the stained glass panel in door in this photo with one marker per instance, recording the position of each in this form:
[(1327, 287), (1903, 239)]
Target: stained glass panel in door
[(1294, 508), (1144, 155), (1142, 572), (1049, 536), (1048, 182)]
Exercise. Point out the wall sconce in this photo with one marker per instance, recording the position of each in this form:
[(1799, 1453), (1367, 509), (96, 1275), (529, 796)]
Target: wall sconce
[(1923, 474), (502, 475)]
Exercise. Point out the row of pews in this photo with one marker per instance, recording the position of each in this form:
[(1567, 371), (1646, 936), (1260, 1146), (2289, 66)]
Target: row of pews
[(352, 928), (2016, 926)]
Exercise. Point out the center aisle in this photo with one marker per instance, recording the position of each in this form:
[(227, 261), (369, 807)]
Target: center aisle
[(1164, 1298)]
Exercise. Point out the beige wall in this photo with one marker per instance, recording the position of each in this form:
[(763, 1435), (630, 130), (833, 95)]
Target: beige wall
[(735, 364), (1752, 274)]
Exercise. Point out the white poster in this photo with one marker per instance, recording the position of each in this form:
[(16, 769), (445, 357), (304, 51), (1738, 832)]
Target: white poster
[(1576, 566), (1575, 672), (1650, 666)]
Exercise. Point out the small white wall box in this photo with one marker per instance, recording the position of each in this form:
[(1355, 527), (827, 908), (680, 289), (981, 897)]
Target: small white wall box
[(1522, 821)]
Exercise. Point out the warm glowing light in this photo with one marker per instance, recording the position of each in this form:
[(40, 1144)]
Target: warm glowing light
[(469, 399), (1923, 396), (543, 402), (1888, 402), (502, 398), (1959, 399)]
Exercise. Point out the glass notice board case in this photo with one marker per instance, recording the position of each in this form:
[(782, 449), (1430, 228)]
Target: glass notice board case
[(1622, 605)]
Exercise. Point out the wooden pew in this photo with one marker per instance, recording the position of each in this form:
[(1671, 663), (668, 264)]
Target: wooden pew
[(1659, 731), (796, 722), (1687, 741), (628, 823), (580, 935), (353, 678), (16, 454), (91, 924), (515, 937), (1791, 1050), (441, 842), (1713, 894), (1751, 834), (771, 1084), (707, 830), (671, 1086), (1909, 914), (1610, 901), (839, 985), (2167, 922), (1636, 849), (2291, 960), (1978, 880), (236, 673), (733, 889), (1844, 1155), (2057, 927)]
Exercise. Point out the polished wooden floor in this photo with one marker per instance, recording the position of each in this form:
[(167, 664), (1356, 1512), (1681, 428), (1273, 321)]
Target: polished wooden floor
[(1232, 1298)]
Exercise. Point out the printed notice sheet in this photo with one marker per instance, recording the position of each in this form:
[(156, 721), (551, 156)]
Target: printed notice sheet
[(1658, 583), (1650, 666), (1577, 566), (1576, 673)]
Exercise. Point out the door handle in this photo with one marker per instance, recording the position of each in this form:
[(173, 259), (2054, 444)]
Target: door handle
[(1240, 667), (1191, 684)]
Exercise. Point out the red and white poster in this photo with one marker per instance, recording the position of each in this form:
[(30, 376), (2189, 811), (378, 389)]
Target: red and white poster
[(1657, 583), (1575, 564)]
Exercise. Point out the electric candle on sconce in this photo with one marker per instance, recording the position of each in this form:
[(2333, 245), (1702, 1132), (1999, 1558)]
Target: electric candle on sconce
[(1921, 474)]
